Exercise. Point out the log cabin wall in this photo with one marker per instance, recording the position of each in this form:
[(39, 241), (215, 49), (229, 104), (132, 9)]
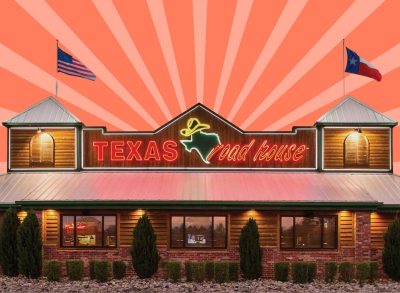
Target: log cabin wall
[(20, 147), (268, 224), (379, 225), (378, 154)]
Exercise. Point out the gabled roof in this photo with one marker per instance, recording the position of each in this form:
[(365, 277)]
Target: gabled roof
[(353, 112), (47, 112)]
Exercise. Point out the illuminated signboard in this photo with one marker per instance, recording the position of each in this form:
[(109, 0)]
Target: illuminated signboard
[(199, 139)]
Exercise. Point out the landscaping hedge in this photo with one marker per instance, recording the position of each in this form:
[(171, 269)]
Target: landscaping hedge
[(374, 270), (198, 271), (52, 270), (300, 272), (312, 271), (102, 270), (233, 268), (188, 271), (281, 271), (92, 275), (209, 270), (119, 269), (221, 271), (74, 269), (346, 271), (363, 271), (172, 270), (330, 271)]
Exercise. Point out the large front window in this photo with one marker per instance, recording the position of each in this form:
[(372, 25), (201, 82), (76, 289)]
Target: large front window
[(198, 231), (89, 231), (309, 232)]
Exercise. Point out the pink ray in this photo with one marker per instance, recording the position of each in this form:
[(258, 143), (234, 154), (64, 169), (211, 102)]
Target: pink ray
[(350, 19), (200, 27), (3, 167), (111, 16), (393, 114), (21, 67), (386, 62), (157, 11), (285, 22), (396, 167), (242, 11), (5, 114), (54, 24)]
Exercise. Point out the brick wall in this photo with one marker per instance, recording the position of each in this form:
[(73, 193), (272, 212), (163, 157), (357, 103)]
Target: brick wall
[(361, 251)]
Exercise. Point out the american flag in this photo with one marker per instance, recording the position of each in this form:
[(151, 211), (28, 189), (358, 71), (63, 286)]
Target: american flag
[(69, 65)]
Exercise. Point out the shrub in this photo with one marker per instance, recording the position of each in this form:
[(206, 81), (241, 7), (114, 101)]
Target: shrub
[(300, 272), (221, 272), (91, 269), (391, 251), (8, 238), (102, 270), (330, 271), (312, 271), (209, 270), (198, 271), (74, 269), (119, 269), (144, 251), (250, 251), (52, 270), (363, 272), (188, 271), (29, 245), (281, 271), (374, 270), (233, 268), (346, 271), (173, 270)]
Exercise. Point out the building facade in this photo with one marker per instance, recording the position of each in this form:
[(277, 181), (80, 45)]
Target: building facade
[(323, 193)]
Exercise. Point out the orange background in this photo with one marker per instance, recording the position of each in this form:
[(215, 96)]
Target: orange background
[(264, 65)]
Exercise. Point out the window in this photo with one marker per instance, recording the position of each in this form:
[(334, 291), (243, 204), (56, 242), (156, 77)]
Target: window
[(309, 232), (42, 150), (88, 231), (198, 231), (356, 150)]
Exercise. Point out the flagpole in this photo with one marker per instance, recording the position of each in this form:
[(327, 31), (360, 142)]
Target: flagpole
[(344, 84), (56, 69)]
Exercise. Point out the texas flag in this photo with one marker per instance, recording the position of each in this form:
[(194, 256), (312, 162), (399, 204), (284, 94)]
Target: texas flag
[(358, 65)]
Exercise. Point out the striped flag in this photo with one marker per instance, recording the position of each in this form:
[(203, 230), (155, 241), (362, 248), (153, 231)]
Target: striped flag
[(69, 65)]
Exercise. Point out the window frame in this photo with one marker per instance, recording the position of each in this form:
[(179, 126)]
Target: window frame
[(212, 232), (321, 218), (35, 164), (75, 246)]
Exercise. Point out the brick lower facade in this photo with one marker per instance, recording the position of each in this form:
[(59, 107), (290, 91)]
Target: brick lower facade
[(361, 251)]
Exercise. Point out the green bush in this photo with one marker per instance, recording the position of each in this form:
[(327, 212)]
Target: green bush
[(250, 251), (363, 271), (330, 271), (233, 271), (102, 270), (52, 270), (29, 245), (74, 269), (300, 272), (312, 271), (92, 275), (346, 271), (119, 269), (281, 271), (173, 270), (199, 271), (391, 251), (8, 238), (221, 271), (188, 271), (374, 271), (144, 251), (209, 270)]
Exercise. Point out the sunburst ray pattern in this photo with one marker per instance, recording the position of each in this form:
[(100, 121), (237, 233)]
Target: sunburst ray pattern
[(264, 65)]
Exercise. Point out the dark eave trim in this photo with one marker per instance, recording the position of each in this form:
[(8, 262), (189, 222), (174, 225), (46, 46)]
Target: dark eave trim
[(42, 124), (353, 124)]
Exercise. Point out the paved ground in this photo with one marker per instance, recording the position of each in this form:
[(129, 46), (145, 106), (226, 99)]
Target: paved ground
[(157, 285)]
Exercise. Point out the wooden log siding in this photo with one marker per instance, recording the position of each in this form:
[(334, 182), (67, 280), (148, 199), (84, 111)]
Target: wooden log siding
[(268, 226), (51, 227), (346, 228), (379, 225), (128, 220), (379, 147), (64, 147)]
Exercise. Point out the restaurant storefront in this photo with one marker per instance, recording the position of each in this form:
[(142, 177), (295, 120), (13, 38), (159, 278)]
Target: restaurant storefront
[(324, 192)]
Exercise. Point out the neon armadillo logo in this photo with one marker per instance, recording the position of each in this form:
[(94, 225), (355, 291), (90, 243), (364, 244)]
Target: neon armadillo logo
[(201, 142)]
